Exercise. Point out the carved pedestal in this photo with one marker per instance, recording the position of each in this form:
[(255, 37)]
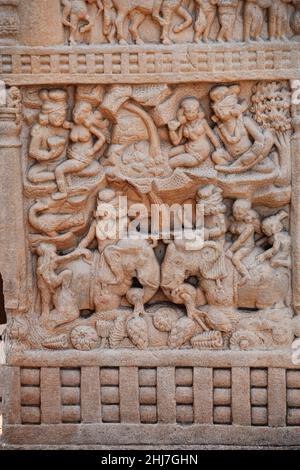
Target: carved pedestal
[(149, 222)]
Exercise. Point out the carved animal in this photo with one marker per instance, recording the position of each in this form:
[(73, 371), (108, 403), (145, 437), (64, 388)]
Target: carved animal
[(137, 12), (100, 290), (266, 288)]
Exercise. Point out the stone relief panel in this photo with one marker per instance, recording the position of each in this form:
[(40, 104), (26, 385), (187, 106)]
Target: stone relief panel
[(178, 21), (225, 148)]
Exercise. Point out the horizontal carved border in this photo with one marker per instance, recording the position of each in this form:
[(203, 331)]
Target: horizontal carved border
[(131, 64), (105, 434), (155, 358), (204, 403)]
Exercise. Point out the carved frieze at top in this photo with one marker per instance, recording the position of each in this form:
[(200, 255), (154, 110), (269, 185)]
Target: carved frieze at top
[(9, 21), (168, 21)]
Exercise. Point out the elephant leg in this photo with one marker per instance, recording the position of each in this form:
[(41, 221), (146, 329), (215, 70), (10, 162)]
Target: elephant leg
[(121, 16), (137, 20)]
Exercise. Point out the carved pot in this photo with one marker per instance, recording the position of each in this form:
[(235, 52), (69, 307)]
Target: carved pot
[(9, 21)]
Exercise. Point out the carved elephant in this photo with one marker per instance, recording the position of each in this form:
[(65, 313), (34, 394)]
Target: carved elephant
[(138, 12), (219, 279), (95, 285)]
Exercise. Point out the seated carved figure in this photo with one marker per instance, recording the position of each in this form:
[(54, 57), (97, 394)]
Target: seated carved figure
[(83, 151), (109, 224), (55, 286), (247, 145), (191, 128), (279, 254), (49, 136), (244, 226)]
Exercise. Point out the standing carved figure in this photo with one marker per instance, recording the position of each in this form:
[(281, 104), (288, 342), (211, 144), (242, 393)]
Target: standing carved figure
[(254, 18), (227, 13), (206, 14), (278, 19), (192, 128), (77, 18), (109, 21)]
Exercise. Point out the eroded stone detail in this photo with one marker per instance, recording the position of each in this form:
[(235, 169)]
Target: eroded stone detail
[(94, 21), (224, 147)]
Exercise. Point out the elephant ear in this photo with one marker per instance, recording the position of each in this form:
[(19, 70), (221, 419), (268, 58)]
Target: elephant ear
[(213, 265)]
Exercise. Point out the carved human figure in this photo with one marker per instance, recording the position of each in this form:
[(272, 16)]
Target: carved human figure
[(110, 221), (227, 13), (83, 151), (48, 280), (14, 100), (247, 145), (279, 239), (206, 14), (254, 18), (193, 130), (244, 226), (49, 136), (215, 226), (75, 12), (278, 19), (109, 21)]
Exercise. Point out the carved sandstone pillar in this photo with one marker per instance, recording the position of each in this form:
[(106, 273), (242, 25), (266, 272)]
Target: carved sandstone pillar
[(12, 236), (9, 22), (41, 23), (295, 216)]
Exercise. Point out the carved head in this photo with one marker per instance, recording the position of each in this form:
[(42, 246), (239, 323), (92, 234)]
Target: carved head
[(273, 224), (54, 107), (191, 109), (225, 102), (240, 209), (81, 112), (212, 198)]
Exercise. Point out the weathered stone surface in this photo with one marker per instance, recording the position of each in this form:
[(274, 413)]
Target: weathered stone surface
[(149, 222)]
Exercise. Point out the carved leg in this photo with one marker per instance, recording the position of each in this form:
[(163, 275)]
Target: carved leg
[(185, 160), (247, 29), (187, 20), (74, 28), (120, 27), (166, 31), (70, 166), (259, 27), (210, 20), (137, 20), (272, 27), (39, 174)]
